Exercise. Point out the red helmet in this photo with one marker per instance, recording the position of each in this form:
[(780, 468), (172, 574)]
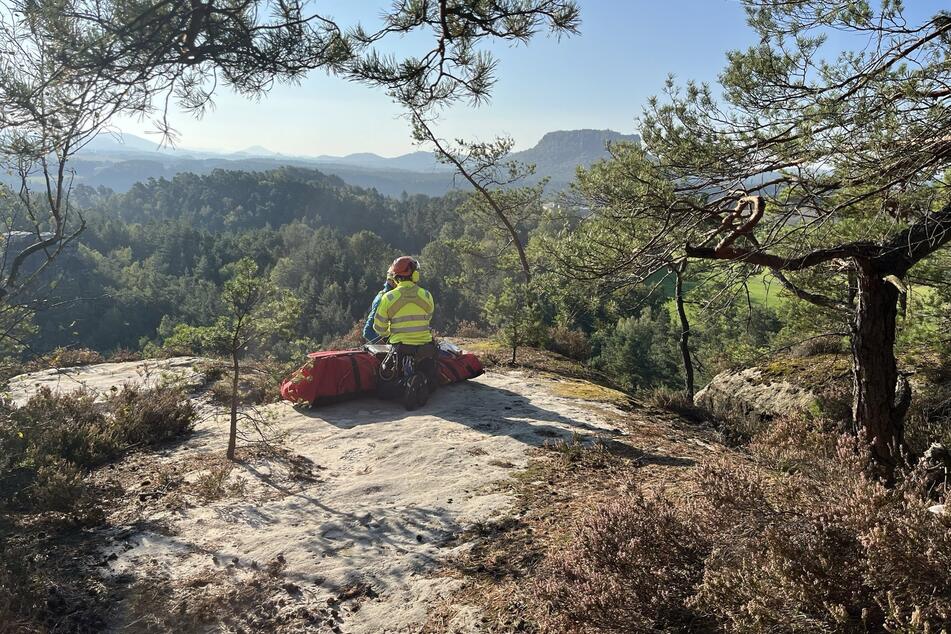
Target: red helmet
[(404, 266)]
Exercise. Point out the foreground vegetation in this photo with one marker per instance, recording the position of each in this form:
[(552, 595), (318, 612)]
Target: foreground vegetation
[(48, 449)]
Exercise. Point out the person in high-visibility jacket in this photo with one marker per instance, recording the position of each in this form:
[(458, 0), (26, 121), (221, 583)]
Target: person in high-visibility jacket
[(404, 314)]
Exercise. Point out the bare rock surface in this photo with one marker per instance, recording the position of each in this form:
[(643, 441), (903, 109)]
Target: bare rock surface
[(749, 396), (102, 378), (359, 533)]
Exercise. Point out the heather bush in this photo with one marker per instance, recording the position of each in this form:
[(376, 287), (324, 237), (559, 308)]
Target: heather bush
[(58, 486), (632, 567), (470, 330), (819, 346), (19, 591), (794, 444), (48, 444), (674, 401), (350, 340), (800, 539), (837, 554), (71, 427), (929, 418), (70, 357), (124, 355), (145, 417)]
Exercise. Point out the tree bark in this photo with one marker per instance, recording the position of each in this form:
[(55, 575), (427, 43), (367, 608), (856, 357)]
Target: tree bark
[(233, 432), (678, 270), (874, 368), (515, 341)]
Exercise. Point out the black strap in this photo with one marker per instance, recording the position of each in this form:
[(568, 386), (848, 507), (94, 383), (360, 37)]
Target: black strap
[(356, 372)]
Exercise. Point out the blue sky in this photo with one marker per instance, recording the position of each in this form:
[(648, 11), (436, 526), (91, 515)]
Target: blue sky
[(600, 78)]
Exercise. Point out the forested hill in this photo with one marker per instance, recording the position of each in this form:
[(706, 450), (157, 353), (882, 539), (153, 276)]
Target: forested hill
[(238, 201), (157, 255)]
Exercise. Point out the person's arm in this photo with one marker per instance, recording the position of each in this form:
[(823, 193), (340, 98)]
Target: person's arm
[(432, 304), (368, 333), (381, 321)]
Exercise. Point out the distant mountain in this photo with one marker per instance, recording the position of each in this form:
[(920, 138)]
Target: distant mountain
[(558, 154), (119, 162), (257, 150), (107, 142), (414, 161)]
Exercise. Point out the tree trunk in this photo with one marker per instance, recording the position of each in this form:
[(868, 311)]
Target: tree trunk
[(233, 434), (874, 369), (684, 328), (515, 342)]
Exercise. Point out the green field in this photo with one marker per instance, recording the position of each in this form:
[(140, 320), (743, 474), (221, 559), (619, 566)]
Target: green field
[(764, 290)]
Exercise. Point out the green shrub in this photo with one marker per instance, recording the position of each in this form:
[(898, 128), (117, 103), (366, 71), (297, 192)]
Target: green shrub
[(150, 416), (640, 352), (573, 344), (515, 313)]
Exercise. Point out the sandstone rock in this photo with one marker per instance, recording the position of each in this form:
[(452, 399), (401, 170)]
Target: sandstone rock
[(754, 396), (935, 465), (102, 378)]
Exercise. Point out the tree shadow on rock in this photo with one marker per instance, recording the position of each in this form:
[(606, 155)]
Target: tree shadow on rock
[(491, 410)]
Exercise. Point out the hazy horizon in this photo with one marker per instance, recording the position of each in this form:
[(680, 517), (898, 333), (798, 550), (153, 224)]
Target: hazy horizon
[(599, 79)]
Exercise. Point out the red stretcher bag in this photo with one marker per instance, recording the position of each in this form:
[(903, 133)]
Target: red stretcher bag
[(331, 376), (453, 369)]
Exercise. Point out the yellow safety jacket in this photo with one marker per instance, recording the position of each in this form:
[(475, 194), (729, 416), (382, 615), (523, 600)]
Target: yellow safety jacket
[(404, 315)]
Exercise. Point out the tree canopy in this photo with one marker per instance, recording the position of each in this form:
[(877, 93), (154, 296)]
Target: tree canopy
[(811, 162)]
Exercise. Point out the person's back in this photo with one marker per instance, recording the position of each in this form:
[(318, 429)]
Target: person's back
[(404, 315)]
